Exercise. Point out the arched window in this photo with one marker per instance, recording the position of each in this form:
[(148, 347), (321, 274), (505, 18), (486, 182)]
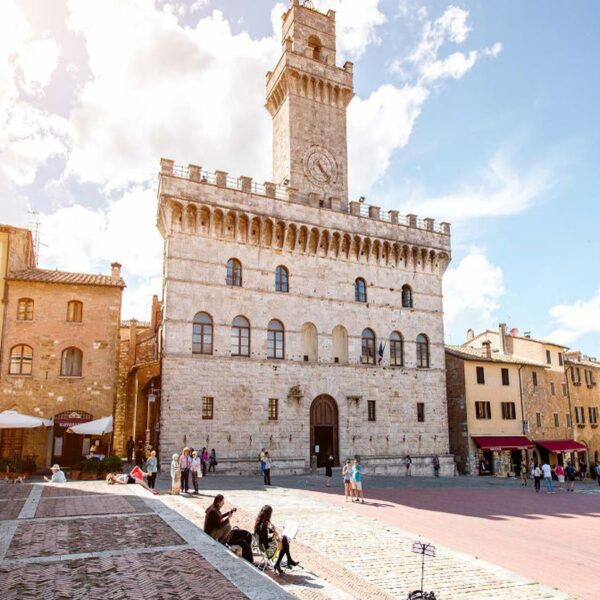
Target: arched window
[(240, 337), (314, 47), (360, 290), (202, 334), (422, 351), (74, 311), (396, 349), (309, 342), (275, 339), (25, 309), (234, 272), (340, 344), (281, 279), (407, 297), (70, 362), (21, 360), (367, 347)]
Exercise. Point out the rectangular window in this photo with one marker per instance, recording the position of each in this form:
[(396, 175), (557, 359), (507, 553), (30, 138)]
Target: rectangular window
[(560, 359), (576, 375), (538, 419), (273, 409), (564, 389), (555, 419), (483, 410), (420, 412), (371, 410), (505, 378), (593, 413), (534, 378), (586, 376), (579, 415), (548, 357), (568, 420), (552, 388), (508, 411), (480, 375), (207, 407)]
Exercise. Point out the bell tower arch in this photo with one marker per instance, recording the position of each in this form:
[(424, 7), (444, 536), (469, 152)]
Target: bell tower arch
[(307, 98)]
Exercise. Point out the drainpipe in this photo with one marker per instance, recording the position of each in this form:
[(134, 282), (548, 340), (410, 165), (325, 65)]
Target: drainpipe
[(522, 407)]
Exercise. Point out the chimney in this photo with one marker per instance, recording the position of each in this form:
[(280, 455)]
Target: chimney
[(116, 271), (470, 335), (487, 349), (501, 335)]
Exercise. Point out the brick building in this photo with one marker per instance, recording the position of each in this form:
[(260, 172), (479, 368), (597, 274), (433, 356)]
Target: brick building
[(138, 391), (583, 375), (547, 414), (295, 319), (58, 353)]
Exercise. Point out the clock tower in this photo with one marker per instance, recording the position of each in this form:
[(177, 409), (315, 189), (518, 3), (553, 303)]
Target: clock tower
[(307, 97)]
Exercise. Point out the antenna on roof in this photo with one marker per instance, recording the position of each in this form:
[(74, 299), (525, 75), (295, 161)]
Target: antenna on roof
[(35, 218)]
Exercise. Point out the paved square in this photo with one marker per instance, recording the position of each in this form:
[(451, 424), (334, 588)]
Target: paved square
[(82, 505)]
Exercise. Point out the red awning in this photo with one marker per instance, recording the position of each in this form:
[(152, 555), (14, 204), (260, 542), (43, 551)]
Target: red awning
[(562, 445), (503, 442)]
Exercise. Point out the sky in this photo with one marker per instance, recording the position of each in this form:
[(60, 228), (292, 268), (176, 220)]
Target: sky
[(482, 113)]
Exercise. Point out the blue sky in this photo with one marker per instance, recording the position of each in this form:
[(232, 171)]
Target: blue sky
[(489, 121)]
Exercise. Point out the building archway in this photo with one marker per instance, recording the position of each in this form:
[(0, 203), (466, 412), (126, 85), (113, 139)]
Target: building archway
[(324, 440)]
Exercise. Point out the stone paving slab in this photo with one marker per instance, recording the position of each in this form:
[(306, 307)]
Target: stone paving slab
[(181, 574), (81, 505), (11, 509), (35, 539), (17, 490)]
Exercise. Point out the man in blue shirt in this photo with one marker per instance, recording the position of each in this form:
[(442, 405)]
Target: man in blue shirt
[(357, 471)]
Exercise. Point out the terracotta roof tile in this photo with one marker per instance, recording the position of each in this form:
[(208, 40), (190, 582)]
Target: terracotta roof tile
[(48, 276), (468, 353)]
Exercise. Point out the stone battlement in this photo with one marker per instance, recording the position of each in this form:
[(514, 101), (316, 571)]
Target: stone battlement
[(269, 189)]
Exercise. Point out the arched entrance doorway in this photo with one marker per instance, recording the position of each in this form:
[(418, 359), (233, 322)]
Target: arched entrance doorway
[(69, 448), (324, 429)]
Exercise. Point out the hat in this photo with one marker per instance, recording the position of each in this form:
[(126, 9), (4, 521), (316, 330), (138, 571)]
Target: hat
[(57, 467)]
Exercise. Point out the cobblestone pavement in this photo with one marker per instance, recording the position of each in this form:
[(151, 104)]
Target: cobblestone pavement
[(346, 554), (85, 540)]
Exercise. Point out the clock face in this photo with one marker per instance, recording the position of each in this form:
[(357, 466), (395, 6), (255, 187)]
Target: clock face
[(320, 167)]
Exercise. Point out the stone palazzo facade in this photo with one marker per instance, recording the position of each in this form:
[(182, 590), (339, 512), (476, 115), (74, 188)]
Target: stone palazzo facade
[(294, 319)]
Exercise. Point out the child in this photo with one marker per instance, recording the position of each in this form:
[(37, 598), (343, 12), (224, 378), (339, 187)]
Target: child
[(347, 475)]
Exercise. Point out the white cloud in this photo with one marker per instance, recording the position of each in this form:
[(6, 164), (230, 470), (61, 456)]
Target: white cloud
[(501, 190), (572, 321), (472, 293), (356, 25), (383, 123), (137, 297)]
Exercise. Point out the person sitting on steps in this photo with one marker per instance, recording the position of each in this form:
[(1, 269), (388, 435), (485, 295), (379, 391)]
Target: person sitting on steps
[(270, 541)]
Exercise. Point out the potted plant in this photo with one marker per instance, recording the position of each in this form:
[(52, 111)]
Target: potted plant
[(75, 473), (89, 469), (111, 464)]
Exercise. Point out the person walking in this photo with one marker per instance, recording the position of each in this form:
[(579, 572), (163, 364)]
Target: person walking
[(130, 448), (357, 473), (547, 472), (185, 464), (204, 461), (598, 473), (212, 461), (175, 475), (267, 469), (328, 471), (408, 465), (570, 474), (347, 476), (436, 466), (523, 474), (152, 469), (560, 475), (537, 476), (195, 470)]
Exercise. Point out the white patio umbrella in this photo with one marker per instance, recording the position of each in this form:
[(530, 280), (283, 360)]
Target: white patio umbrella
[(97, 427), (13, 419)]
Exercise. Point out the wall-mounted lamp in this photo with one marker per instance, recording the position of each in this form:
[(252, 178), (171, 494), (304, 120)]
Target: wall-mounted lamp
[(229, 438)]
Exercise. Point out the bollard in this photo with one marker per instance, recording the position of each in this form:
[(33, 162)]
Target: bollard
[(313, 464)]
